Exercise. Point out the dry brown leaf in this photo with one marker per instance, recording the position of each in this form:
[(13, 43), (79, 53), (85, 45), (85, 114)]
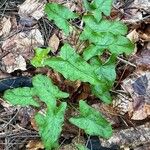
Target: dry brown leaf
[(35, 145), (142, 113), (54, 43), (11, 63), (136, 10), (32, 9), (56, 1), (144, 34), (5, 26), (20, 48), (33, 124), (143, 60), (139, 88), (121, 103), (133, 36)]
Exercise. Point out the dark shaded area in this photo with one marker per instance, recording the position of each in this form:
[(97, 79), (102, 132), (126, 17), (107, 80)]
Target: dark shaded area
[(15, 82), (94, 144), (140, 85)]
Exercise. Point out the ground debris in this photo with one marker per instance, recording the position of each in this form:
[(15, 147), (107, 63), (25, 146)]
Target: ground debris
[(139, 88), (131, 137)]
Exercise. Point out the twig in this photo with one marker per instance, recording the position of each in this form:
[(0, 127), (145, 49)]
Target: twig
[(126, 62)]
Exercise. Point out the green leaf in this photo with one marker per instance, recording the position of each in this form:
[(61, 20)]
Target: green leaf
[(97, 38), (105, 35), (50, 125), (121, 45), (21, 96), (97, 7), (72, 66), (101, 91), (106, 74), (92, 50), (91, 121), (47, 91), (60, 14), (40, 55), (113, 27)]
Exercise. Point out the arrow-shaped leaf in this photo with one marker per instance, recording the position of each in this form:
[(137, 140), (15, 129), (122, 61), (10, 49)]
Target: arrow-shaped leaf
[(50, 125), (60, 15), (21, 96), (91, 121)]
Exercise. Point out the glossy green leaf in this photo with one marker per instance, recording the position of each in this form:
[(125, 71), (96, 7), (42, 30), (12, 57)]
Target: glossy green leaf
[(91, 121), (97, 7), (21, 96), (40, 55), (60, 15), (50, 126), (47, 91)]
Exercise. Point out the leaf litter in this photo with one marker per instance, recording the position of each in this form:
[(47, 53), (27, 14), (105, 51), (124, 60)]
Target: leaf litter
[(21, 37)]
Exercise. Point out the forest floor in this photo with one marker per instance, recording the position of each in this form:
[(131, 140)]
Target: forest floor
[(24, 27)]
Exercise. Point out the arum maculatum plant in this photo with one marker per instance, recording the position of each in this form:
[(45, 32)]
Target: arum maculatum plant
[(101, 35)]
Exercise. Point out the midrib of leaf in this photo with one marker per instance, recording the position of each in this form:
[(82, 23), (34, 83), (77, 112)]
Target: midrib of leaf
[(80, 70)]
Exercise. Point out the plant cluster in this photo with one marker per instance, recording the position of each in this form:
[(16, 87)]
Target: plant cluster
[(101, 35)]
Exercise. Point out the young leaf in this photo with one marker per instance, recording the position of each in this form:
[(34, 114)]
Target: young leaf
[(47, 91), (97, 7), (40, 55), (60, 14), (91, 121), (50, 125), (105, 35), (21, 96)]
